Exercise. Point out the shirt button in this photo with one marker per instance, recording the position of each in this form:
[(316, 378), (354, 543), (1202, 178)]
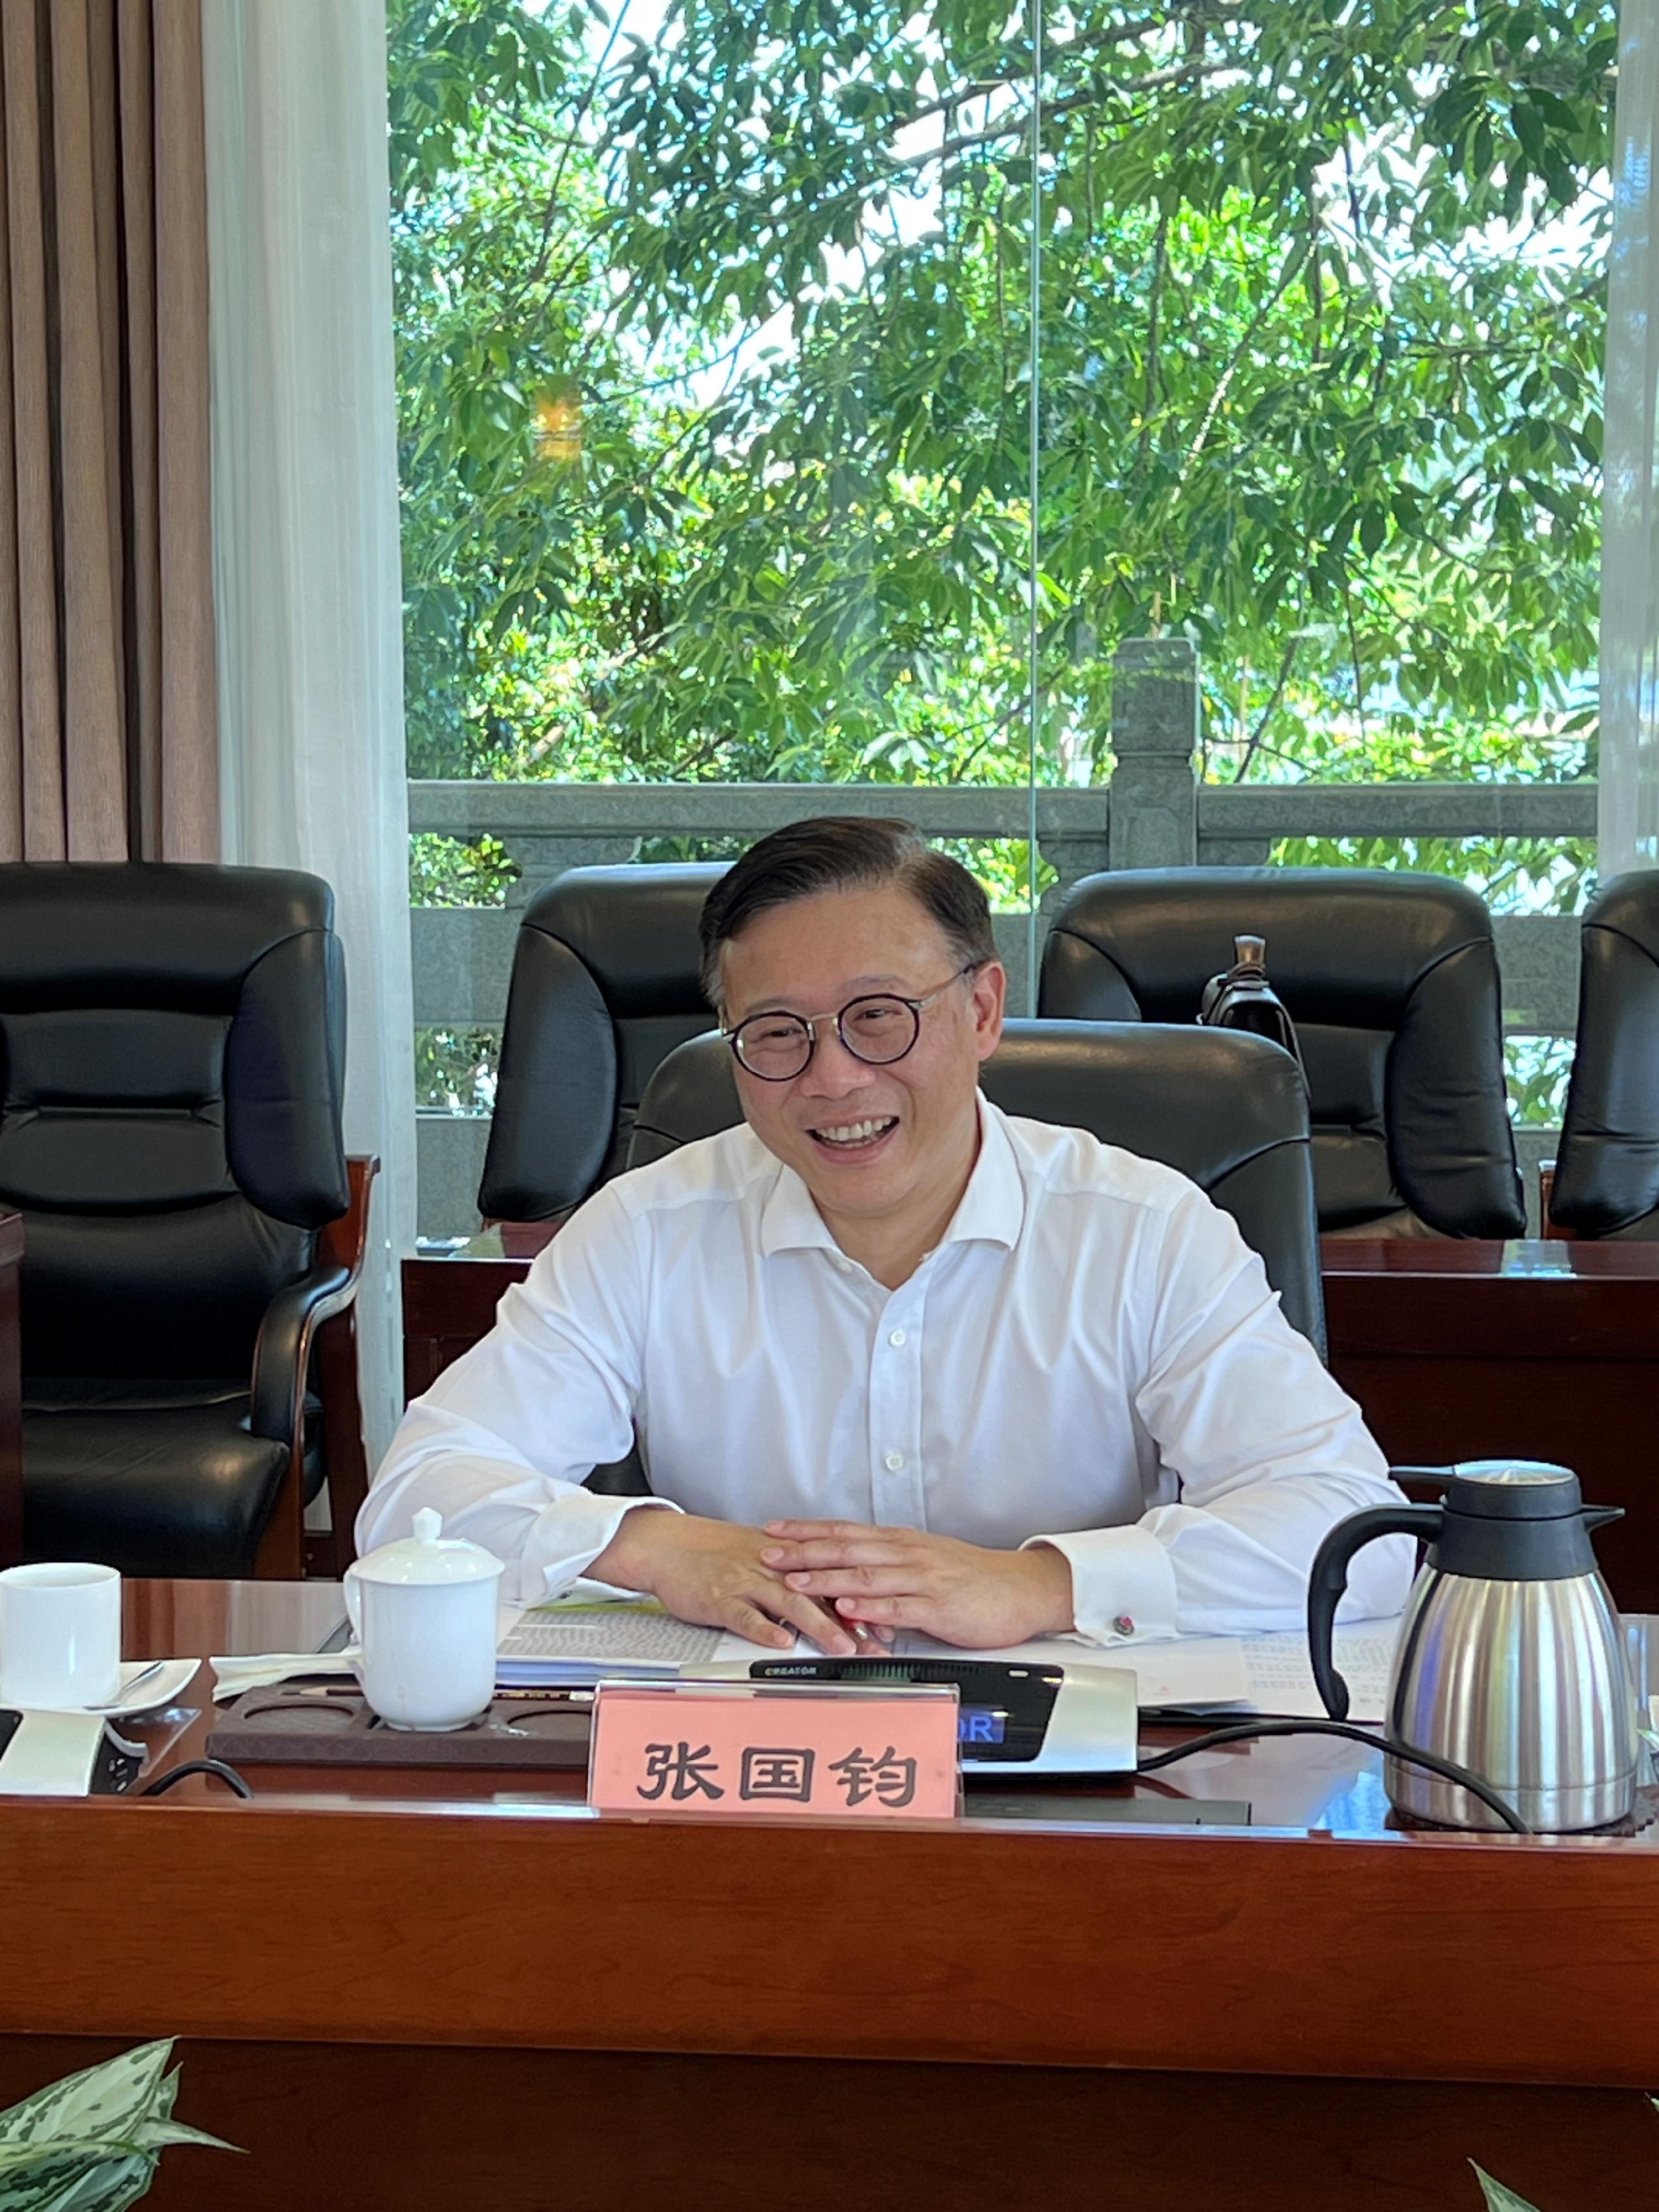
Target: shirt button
[(897, 1339), (893, 1462)]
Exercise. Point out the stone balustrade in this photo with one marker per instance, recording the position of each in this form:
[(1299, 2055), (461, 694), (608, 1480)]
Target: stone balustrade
[(1153, 813)]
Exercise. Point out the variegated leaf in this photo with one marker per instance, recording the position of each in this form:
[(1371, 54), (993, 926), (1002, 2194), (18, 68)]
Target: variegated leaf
[(157, 2135), (149, 2138), (26, 2158), (74, 2185), (90, 2142), (1500, 2199), (105, 2101)]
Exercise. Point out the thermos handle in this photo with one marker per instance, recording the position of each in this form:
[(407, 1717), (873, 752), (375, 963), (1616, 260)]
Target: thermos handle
[(1329, 1578)]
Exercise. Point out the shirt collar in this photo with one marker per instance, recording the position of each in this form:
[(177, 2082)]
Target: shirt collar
[(992, 1210)]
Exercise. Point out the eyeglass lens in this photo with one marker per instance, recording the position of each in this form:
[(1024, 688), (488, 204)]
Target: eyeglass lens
[(875, 1030)]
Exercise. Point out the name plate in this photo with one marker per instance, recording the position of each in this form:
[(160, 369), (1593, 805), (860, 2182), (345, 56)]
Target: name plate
[(840, 1751)]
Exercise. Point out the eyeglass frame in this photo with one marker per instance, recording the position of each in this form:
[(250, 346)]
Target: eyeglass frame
[(812, 1023)]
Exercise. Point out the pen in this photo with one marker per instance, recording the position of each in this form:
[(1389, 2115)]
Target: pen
[(864, 1639)]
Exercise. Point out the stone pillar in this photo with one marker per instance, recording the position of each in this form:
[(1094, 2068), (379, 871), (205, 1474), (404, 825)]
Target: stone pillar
[(1153, 817), (1081, 848)]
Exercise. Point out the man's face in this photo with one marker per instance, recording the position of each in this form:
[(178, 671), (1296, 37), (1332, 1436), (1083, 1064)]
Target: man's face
[(867, 1141)]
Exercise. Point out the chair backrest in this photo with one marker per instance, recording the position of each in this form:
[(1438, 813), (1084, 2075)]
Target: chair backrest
[(1225, 1108), (174, 1046), (605, 983), (1392, 982), (1607, 1169)]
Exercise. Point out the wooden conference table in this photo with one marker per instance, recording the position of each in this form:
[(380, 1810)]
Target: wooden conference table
[(403, 1988), (1454, 1350)]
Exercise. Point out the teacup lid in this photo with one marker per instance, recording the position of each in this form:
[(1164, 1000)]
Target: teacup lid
[(429, 1556)]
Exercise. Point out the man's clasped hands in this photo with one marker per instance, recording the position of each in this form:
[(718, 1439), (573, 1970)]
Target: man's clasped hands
[(821, 1579)]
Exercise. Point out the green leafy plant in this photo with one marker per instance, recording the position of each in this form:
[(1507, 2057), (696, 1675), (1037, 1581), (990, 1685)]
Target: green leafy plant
[(714, 354), (91, 2143)]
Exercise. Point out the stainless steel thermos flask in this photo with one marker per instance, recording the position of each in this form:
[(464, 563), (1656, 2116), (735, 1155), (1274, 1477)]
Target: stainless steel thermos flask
[(1510, 1659)]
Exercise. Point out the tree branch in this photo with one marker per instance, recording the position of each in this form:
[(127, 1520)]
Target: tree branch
[(1121, 34), (1254, 743), (1358, 673), (1149, 390), (1286, 278), (533, 276), (1018, 125)]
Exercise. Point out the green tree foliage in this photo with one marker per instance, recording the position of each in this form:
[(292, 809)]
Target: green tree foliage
[(715, 354)]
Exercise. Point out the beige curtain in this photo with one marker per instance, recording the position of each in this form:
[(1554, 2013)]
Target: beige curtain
[(108, 733)]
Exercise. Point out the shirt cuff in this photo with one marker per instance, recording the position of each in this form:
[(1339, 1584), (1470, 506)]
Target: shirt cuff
[(567, 1537), (1123, 1586)]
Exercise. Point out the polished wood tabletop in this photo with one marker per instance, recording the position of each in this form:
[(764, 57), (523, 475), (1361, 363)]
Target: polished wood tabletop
[(417, 1967)]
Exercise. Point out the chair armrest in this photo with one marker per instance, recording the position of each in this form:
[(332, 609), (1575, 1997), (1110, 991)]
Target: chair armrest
[(281, 1356), (277, 1407)]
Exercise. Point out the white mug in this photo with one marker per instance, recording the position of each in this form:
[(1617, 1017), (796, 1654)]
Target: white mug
[(423, 1612), (60, 1635)]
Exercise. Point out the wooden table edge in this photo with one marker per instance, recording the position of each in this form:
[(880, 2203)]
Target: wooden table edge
[(1414, 1956)]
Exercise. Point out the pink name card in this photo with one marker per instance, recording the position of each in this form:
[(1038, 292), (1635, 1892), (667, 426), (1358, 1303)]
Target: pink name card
[(843, 1751)]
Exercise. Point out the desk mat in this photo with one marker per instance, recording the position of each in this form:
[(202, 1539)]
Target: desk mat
[(329, 1724)]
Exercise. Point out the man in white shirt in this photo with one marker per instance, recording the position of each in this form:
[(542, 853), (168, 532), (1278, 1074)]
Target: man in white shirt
[(899, 1360)]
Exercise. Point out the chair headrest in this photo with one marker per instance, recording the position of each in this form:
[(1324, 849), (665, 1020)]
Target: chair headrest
[(1345, 945), (146, 933), (1226, 1108), (1629, 905), (635, 929), (1204, 1101)]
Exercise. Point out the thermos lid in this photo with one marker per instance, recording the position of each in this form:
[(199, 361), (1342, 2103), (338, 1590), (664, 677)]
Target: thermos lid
[(1513, 1490)]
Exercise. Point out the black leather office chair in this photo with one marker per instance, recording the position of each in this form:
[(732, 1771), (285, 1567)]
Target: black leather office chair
[(605, 983), (1607, 1171), (1227, 1109), (174, 1043), (1392, 982)]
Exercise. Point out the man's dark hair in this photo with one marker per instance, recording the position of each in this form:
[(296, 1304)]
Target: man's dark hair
[(845, 853)]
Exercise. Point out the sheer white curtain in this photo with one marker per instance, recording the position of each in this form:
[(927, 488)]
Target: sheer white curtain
[(307, 570), (1629, 773)]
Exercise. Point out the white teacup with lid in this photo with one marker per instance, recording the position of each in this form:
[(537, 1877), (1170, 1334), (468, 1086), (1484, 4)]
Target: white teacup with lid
[(423, 1612)]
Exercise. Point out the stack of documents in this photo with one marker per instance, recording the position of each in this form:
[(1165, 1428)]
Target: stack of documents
[(575, 1641), (1231, 1676), (579, 1640), (1280, 1679)]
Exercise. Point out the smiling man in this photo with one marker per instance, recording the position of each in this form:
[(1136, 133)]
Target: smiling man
[(899, 1360)]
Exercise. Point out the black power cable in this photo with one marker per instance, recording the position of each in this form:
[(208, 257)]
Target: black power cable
[(163, 1783), (1447, 1769)]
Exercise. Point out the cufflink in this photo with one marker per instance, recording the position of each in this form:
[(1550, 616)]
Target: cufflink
[(1123, 1626)]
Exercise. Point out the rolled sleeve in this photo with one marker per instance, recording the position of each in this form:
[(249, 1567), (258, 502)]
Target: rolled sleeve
[(563, 1541)]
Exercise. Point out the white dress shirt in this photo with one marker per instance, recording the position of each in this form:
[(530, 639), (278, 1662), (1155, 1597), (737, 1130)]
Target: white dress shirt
[(1092, 1357)]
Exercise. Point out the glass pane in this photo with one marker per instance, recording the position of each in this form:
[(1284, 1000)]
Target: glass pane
[(1323, 313)]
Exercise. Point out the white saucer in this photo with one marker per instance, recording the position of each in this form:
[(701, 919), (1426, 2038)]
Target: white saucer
[(146, 1684), (171, 1677)]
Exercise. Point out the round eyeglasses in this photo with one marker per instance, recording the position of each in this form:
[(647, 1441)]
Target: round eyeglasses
[(878, 1029)]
